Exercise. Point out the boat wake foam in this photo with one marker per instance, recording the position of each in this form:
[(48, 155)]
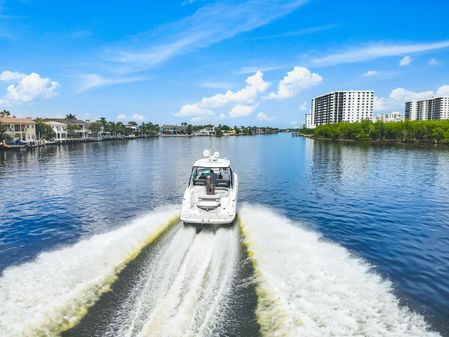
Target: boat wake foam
[(53, 292), (183, 290), (310, 287)]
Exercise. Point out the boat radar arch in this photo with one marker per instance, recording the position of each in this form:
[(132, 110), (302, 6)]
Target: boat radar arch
[(212, 157)]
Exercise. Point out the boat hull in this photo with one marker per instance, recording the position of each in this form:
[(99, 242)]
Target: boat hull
[(188, 219)]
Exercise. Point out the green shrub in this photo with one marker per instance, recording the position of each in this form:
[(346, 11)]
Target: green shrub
[(436, 131)]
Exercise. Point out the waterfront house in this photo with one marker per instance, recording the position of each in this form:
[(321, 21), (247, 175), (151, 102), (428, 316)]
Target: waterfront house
[(60, 129), (20, 128), (172, 130), (229, 133), (82, 131), (209, 131)]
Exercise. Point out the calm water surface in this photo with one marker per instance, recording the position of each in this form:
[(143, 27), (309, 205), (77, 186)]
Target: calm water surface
[(388, 205)]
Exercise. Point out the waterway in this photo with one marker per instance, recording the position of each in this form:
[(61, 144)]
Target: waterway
[(349, 238)]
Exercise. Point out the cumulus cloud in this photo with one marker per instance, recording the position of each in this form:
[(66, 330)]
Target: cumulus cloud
[(264, 117), (122, 117), (443, 90), (371, 73), (126, 118), (398, 96), (26, 88), (11, 76), (138, 118), (193, 110), (240, 110), (403, 94), (405, 61), (243, 101), (296, 80)]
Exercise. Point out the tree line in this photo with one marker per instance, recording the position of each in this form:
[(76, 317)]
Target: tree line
[(434, 131), (223, 128), (104, 127)]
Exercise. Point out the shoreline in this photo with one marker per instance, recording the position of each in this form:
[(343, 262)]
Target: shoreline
[(378, 142), (69, 141)]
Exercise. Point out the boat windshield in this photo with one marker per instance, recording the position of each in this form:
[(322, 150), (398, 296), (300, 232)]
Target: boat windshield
[(223, 176)]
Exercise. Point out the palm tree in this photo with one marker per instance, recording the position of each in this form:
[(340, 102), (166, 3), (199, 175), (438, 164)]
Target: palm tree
[(71, 130), (70, 117), (3, 135), (5, 113), (103, 121)]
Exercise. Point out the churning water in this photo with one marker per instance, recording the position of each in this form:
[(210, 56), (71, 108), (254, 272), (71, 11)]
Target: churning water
[(333, 239)]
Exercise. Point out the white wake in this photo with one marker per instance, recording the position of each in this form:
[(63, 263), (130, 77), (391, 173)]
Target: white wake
[(183, 290), (53, 292), (310, 287)]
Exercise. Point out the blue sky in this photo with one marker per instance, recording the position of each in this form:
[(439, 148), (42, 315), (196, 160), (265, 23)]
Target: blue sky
[(234, 62)]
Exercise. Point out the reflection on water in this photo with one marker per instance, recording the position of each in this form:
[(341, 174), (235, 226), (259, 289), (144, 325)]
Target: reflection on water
[(387, 204)]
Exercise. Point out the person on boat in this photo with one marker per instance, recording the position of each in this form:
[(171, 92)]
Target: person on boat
[(211, 182)]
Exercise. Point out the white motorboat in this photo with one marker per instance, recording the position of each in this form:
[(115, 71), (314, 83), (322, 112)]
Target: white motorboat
[(211, 196)]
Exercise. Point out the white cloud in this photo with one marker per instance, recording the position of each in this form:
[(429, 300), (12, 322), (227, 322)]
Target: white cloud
[(27, 88), (371, 73), (296, 80), (433, 62), (241, 100), (376, 50), (211, 23), (242, 110), (405, 61), (138, 118), (264, 117), (193, 110), (11, 76), (398, 96), (403, 94), (303, 106), (123, 118), (443, 90), (91, 81), (126, 118)]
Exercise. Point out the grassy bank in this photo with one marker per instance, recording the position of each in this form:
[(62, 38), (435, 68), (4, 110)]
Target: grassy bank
[(432, 132)]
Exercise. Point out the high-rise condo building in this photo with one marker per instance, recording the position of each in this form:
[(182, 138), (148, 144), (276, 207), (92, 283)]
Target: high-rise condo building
[(427, 109), (309, 122), (343, 106)]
